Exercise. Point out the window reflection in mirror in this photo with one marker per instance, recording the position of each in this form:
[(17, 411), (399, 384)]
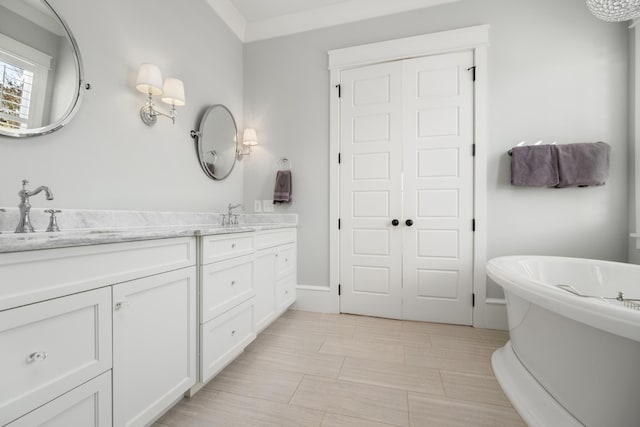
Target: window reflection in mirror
[(39, 69)]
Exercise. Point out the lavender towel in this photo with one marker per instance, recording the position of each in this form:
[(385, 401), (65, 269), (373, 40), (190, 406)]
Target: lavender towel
[(282, 191), (534, 165), (583, 164)]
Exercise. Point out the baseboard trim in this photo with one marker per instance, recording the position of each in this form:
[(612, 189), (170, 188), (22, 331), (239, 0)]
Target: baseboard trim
[(316, 298)]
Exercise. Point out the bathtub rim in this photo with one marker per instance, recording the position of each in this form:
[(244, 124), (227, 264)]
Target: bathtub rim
[(613, 319)]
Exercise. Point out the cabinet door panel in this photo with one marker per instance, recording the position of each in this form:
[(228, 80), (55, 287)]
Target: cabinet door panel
[(225, 337), (285, 292), (154, 354), (48, 348), (286, 260), (225, 284), (264, 283), (88, 405), (33, 276), (269, 238), (219, 247)]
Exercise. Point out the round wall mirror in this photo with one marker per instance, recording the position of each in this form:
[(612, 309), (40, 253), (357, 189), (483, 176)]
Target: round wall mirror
[(40, 69), (217, 142)]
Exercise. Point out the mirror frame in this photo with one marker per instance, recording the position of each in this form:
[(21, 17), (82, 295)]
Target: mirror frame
[(73, 108), (197, 135)]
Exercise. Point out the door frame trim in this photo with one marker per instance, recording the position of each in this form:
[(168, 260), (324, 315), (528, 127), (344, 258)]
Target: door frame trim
[(475, 39)]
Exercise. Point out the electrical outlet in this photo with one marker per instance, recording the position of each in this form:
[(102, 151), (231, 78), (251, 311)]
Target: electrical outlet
[(257, 206), (267, 206)]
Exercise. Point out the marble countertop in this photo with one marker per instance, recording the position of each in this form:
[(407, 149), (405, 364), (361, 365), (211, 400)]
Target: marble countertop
[(132, 226)]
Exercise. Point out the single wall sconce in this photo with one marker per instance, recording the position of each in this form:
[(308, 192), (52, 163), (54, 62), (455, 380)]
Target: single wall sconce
[(249, 139), (172, 92)]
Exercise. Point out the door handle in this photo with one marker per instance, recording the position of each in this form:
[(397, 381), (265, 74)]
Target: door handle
[(409, 222), (395, 222)]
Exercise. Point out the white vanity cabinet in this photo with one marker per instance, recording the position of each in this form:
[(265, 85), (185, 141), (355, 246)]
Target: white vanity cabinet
[(227, 290), (72, 317), (275, 274), (111, 335)]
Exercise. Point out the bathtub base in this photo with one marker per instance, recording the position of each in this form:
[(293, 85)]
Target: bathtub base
[(528, 397)]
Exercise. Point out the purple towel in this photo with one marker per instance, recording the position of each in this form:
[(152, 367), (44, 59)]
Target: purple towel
[(583, 164), (534, 165), (282, 191)]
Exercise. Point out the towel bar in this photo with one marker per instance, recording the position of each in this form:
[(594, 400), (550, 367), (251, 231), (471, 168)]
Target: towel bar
[(522, 143)]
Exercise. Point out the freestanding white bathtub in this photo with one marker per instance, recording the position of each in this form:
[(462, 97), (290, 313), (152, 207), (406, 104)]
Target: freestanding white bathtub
[(570, 360)]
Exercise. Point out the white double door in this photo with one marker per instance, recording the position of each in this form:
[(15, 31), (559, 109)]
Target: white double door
[(406, 189)]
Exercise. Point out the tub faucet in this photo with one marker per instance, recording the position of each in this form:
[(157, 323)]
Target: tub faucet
[(24, 225)]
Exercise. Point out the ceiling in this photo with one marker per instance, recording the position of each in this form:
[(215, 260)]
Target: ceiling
[(253, 20)]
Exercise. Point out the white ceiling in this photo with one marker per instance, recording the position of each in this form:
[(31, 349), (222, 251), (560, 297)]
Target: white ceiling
[(262, 19), (258, 10)]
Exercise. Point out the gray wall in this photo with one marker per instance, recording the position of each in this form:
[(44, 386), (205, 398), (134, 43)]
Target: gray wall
[(555, 73), (106, 158)]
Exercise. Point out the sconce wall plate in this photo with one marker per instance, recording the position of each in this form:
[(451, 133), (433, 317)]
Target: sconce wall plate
[(148, 118)]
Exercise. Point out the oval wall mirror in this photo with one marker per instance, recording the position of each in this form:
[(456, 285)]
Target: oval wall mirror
[(217, 142), (40, 69)]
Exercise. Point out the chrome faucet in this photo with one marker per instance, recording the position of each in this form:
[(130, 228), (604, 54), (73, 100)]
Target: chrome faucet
[(24, 225), (230, 218)]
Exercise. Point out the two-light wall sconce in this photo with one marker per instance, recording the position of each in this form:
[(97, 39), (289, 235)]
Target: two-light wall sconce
[(171, 92), (249, 139)]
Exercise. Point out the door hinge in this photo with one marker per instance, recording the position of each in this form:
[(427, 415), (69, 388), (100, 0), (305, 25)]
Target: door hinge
[(473, 72), (339, 223), (473, 224), (473, 300), (339, 289), (339, 158), (340, 90), (473, 150)]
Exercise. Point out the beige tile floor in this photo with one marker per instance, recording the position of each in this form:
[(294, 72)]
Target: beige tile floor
[(310, 369)]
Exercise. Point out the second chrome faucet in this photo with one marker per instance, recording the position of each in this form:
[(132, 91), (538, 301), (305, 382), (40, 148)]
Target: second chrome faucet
[(230, 218)]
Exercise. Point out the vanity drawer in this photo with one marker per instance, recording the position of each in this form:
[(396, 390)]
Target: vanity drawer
[(223, 338), (50, 348), (225, 284), (285, 260), (285, 292), (219, 247), (269, 238), (35, 276), (88, 405)]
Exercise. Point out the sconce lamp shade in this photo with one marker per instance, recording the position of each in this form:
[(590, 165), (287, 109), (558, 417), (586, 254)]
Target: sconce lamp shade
[(249, 137), (149, 79), (173, 92)]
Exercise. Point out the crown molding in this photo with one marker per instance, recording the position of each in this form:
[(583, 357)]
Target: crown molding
[(336, 14), (231, 16)]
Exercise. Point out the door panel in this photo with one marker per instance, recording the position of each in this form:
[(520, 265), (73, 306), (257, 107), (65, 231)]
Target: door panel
[(370, 247), (406, 144), (438, 188)]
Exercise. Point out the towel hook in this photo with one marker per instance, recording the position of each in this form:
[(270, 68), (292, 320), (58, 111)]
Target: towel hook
[(285, 162)]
